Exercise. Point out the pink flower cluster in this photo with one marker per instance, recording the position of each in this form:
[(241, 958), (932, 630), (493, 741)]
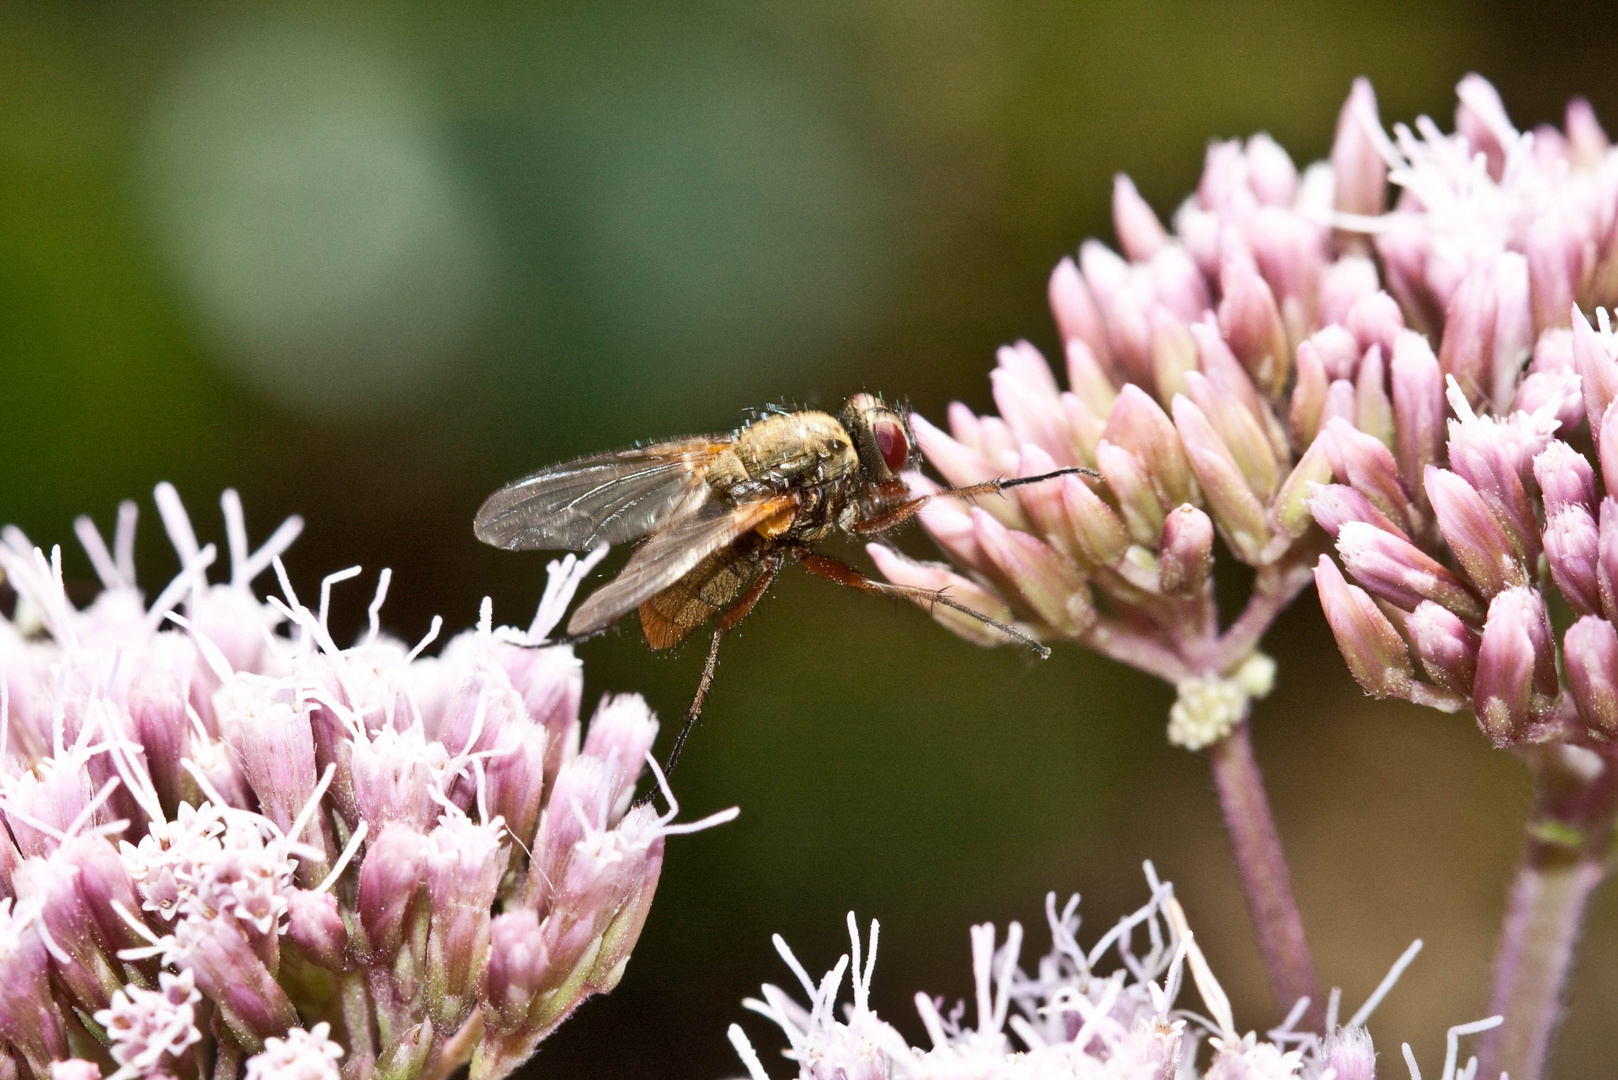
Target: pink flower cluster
[(230, 847), (1279, 358), (1067, 1018)]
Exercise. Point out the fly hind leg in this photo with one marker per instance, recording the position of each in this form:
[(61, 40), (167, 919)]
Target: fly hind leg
[(735, 614), (843, 574)]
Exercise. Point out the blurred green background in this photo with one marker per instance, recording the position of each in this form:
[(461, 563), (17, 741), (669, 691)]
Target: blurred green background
[(366, 262)]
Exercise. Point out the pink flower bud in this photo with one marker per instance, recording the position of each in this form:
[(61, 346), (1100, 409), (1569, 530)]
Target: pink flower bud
[(1565, 478), (1099, 536), (1446, 647), (1140, 234), (1516, 677), (30, 1018), (1087, 379), (1338, 350), (1556, 253), (518, 964), (1138, 501), (1467, 349), (1590, 650), (157, 704), (1270, 172), (1587, 143), (1481, 119), (1418, 406), (1357, 166), (276, 747), (1290, 251), (1342, 283), (393, 773), (1077, 317), (1246, 441), (1572, 547), (1375, 652), (1479, 543), (1174, 353), (1308, 395), (1375, 319), (1598, 372), (1235, 508), (1123, 308), (1607, 557), (465, 861), (958, 463), (1368, 466), (1185, 552), (1051, 586), (1333, 505), (1251, 322), (1291, 506), (621, 734), (1373, 412), (1401, 573), (1138, 425), (395, 867), (1176, 282), (1025, 391), (315, 927)]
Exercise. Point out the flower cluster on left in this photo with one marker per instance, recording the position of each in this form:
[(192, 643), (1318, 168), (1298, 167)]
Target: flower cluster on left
[(231, 848)]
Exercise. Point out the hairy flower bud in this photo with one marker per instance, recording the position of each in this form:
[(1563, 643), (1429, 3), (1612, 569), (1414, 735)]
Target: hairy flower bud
[(1361, 174), (1591, 652), (1516, 673), (1446, 647), (1140, 234)]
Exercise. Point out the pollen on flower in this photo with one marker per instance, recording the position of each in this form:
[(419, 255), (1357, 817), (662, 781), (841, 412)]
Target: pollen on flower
[(216, 816)]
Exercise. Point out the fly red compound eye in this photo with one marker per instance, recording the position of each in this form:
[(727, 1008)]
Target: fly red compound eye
[(891, 444)]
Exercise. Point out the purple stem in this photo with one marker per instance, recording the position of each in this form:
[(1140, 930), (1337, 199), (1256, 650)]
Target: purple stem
[(1265, 878), (1575, 797)]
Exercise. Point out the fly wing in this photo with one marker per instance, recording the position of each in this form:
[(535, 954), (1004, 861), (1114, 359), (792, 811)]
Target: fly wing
[(669, 555), (604, 499)]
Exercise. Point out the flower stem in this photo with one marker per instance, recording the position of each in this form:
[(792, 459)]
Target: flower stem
[(1265, 878), (1575, 796)]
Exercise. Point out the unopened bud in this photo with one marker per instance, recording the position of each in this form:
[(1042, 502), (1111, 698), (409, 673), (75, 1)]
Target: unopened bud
[(316, 927), (1099, 535), (1138, 501), (1291, 506), (1479, 543), (518, 964), (1140, 234), (1565, 478), (1077, 317), (1357, 165), (1250, 321), (1373, 412), (1308, 395), (1240, 433), (1375, 652), (1590, 650), (1598, 372), (1418, 406), (1231, 501), (1607, 557), (1139, 425), (1367, 465), (1573, 548), (1446, 647), (1397, 571), (1185, 552), (1516, 676), (394, 869), (1174, 353), (1376, 319)]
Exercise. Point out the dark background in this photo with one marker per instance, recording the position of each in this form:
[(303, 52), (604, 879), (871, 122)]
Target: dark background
[(365, 262)]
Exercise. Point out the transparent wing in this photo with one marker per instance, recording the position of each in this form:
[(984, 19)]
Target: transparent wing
[(604, 499), (669, 555)]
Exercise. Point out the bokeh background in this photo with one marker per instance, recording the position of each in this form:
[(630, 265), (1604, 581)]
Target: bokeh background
[(366, 262)]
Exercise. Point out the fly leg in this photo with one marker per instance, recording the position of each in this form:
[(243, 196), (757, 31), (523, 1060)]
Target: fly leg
[(737, 612), (843, 574), (880, 523)]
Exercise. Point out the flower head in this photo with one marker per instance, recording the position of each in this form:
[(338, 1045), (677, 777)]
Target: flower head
[(1067, 1017), (215, 815)]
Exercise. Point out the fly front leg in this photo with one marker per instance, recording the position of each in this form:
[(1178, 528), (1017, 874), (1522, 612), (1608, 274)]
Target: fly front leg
[(898, 515), (927, 599)]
